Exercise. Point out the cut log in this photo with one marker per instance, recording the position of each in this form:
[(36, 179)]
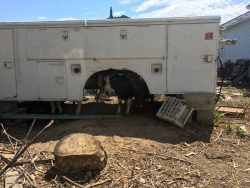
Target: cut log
[(79, 152)]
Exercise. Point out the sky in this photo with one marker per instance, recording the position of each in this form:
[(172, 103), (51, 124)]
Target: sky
[(46, 10)]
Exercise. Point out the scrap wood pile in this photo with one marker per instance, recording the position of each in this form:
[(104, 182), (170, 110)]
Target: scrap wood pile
[(237, 72)]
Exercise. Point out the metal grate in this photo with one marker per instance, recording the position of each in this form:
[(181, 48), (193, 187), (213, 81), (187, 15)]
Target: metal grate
[(175, 111)]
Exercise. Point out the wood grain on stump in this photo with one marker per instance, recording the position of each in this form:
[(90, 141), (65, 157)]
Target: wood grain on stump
[(79, 152)]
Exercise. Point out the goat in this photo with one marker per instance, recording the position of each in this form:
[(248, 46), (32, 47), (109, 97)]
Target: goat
[(126, 88), (96, 83), (123, 89)]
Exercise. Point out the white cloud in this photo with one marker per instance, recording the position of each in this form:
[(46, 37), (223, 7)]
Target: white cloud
[(150, 3), (125, 2), (227, 9), (67, 18), (42, 18), (119, 13)]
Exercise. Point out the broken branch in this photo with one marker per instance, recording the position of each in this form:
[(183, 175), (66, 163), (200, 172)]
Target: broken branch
[(98, 183), (87, 186), (218, 135), (71, 181), (30, 180), (24, 170), (30, 129), (165, 157), (8, 135), (4, 159), (24, 148)]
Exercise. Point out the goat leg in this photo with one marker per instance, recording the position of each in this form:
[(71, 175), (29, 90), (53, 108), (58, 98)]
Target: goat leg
[(129, 103), (119, 106), (59, 106), (79, 107), (52, 105)]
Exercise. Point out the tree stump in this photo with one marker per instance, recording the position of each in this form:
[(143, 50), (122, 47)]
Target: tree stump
[(79, 152)]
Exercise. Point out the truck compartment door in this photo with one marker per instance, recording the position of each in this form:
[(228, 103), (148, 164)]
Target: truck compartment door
[(192, 50), (52, 80), (7, 65)]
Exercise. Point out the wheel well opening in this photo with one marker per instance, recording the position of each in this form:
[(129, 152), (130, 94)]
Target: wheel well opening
[(95, 81)]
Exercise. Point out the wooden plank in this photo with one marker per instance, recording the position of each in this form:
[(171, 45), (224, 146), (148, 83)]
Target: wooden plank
[(231, 110)]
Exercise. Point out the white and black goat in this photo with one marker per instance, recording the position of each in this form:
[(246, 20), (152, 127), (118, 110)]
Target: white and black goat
[(126, 88)]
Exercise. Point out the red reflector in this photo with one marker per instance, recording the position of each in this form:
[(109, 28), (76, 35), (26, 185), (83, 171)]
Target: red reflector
[(209, 36)]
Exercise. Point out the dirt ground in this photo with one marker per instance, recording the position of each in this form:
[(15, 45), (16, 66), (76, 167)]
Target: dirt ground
[(147, 152)]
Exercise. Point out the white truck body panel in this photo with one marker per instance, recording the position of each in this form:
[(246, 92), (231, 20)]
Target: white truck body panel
[(186, 70), (43, 54), (7, 65)]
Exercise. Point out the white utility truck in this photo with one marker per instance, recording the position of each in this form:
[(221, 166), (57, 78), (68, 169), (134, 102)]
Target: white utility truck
[(52, 61)]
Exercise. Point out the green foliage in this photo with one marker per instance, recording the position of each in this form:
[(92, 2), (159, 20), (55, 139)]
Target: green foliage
[(229, 127), (218, 117), (247, 105)]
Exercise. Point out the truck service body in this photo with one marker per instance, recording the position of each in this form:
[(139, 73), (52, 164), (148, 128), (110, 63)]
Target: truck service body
[(52, 61)]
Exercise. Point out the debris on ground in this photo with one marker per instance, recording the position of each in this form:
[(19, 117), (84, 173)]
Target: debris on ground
[(243, 129), (142, 151), (232, 111), (237, 72), (11, 177), (227, 98), (175, 111), (216, 155), (236, 94)]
